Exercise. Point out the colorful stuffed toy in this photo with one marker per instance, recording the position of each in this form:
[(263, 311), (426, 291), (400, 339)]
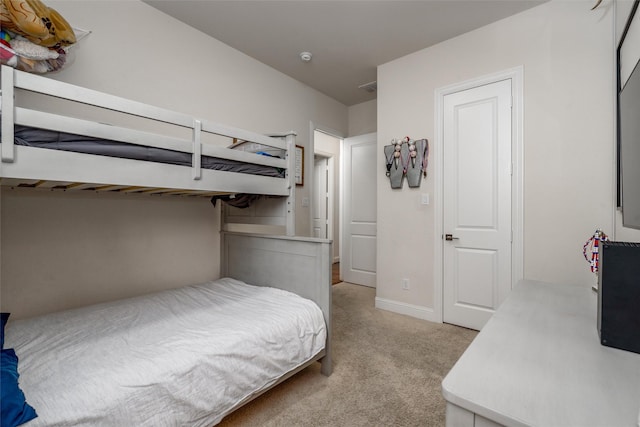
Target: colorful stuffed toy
[(7, 55), (36, 22), (34, 37)]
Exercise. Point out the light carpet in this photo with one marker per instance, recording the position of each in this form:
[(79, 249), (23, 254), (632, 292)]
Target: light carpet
[(388, 370)]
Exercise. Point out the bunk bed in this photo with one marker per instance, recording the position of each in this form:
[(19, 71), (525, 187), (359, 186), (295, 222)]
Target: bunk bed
[(69, 122), (64, 137), (186, 356)]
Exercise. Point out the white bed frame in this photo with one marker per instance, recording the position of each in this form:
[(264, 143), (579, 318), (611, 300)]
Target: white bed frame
[(301, 265), (295, 264), (70, 171)]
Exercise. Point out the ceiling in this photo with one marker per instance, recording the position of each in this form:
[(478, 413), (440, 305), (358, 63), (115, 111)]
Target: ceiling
[(348, 39)]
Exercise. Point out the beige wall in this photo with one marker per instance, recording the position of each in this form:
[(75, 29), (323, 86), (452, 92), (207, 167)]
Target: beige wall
[(62, 250), (363, 118), (58, 261), (566, 53), (155, 59)]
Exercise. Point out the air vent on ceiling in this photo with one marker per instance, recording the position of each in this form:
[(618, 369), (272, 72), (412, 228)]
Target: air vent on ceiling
[(369, 87)]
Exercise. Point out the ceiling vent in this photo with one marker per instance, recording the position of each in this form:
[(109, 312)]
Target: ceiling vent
[(369, 87)]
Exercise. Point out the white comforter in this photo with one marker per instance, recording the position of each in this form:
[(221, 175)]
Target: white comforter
[(183, 357)]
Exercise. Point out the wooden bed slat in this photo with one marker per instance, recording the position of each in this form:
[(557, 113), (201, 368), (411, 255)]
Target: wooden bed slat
[(52, 184), (110, 187), (100, 188), (14, 182), (80, 186)]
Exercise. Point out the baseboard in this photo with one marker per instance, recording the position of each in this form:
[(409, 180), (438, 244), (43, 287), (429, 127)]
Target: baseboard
[(420, 312)]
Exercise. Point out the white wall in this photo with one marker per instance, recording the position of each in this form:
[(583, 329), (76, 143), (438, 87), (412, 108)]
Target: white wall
[(50, 262), (566, 52), (363, 118)]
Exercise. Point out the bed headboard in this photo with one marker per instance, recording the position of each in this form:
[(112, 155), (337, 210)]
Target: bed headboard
[(298, 264)]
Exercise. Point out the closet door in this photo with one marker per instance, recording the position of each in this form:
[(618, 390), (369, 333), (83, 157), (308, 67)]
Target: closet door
[(477, 203), (358, 259)]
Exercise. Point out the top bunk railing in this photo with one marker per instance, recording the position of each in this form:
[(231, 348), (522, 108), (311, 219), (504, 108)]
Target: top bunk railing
[(192, 144)]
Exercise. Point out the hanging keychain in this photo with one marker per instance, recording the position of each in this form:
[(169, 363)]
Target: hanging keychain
[(592, 246), (412, 153), (389, 159), (397, 152), (425, 157)]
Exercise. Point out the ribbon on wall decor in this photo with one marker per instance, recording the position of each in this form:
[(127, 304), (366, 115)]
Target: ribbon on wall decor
[(406, 158)]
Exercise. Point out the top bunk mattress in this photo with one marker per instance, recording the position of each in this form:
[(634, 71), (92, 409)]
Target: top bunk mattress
[(42, 138), (184, 356)]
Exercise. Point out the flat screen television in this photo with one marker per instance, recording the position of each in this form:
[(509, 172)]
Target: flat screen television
[(629, 135)]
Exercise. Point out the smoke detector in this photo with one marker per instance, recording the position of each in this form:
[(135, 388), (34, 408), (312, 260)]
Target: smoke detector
[(369, 87), (305, 56)]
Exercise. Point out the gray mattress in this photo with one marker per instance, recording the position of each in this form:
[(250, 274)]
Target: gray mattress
[(41, 138)]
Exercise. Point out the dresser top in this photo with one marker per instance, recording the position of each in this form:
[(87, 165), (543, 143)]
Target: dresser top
[(539, 361)]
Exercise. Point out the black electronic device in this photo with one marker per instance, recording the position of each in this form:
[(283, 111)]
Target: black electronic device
[(619, 295)]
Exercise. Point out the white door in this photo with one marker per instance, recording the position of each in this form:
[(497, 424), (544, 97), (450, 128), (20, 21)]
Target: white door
[(477, 203), (320, 197), (358, 258)]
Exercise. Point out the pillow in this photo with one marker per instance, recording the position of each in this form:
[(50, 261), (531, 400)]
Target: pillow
[(4, 317), (14, 410)]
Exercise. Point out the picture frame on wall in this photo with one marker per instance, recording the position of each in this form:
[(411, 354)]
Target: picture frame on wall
[(299, 171)]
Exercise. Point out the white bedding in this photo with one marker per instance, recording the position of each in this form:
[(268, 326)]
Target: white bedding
[(183, 357)]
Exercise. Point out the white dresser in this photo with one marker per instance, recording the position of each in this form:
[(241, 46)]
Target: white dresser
[(539, 362)]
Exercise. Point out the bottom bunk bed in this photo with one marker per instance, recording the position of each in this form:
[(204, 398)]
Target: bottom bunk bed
[(186, 356)]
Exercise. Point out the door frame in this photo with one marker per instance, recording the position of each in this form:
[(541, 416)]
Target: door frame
[(313, 127), (330, 190), (517, 181)]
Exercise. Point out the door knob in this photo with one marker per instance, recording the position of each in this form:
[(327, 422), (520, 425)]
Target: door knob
[(450, 237)]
